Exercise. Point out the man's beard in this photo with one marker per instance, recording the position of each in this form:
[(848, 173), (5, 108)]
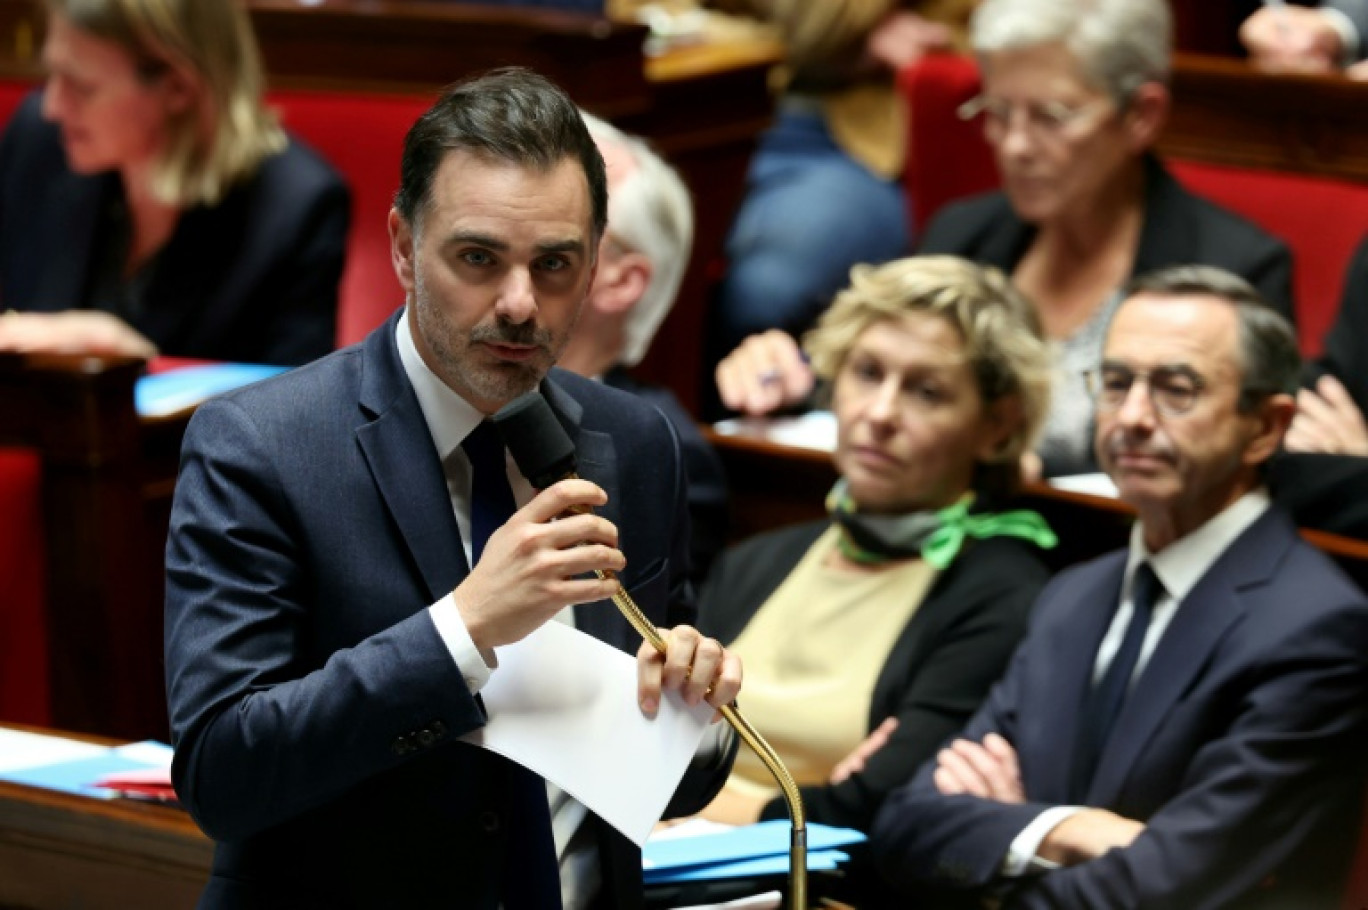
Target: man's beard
[(458, 364)]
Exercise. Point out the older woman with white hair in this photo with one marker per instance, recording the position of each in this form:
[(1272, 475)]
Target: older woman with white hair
[(150, 203), (1074, 97)]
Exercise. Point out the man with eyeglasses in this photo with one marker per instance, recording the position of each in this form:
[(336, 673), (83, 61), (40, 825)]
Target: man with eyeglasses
[(1185, 724)]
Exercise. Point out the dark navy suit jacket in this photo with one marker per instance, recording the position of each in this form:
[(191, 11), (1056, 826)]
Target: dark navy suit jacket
[(1242, 745), (251, 279), (313, 705)]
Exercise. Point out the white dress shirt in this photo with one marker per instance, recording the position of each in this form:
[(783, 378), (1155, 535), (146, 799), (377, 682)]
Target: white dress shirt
[(1179, 567), (450, 419)]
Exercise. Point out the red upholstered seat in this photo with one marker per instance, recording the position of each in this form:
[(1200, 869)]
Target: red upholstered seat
[(362, 135), (1322, 220), (12, 91), (947, 158), (24, 692)]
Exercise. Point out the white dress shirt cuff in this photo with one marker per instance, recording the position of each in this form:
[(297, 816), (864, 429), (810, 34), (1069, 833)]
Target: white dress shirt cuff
[(1021, 856), (454, 634), (1348, 34)]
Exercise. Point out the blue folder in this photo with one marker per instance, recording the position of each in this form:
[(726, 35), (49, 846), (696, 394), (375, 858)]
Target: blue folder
[(76, 775), (707, 855), (175, 390), (759, 867)]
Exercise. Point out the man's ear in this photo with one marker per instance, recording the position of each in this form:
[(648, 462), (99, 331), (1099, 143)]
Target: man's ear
[(401, 250), (1146, 115), (1271, 421), (621, 281)]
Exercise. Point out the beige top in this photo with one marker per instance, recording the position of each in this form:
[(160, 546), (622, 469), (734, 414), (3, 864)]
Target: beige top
[(868, 120), (812, 654)]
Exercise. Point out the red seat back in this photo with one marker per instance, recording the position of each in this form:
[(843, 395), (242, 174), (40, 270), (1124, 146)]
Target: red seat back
[(1320, 219), (12, 91), (362, 135), (947, 158), (25, 696)]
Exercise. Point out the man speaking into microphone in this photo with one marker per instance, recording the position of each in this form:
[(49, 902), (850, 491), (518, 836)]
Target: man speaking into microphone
[(349, 544)]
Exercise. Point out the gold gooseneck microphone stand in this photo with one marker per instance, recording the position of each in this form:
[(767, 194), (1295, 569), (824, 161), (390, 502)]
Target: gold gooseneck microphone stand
[(544, 454)]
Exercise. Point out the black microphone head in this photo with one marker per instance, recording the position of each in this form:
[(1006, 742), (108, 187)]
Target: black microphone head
[(536, 440)]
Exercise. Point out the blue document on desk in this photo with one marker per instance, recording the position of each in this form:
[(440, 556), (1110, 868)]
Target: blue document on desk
[(760, 867), (160, 394), (749, 850), (79, 774)]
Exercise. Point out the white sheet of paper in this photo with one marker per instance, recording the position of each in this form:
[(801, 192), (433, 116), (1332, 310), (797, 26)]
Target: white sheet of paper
[(812, 430), (564, 704), (1097, 484), (19, 749)]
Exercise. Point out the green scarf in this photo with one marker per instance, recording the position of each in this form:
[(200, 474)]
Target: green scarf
[(935, 536)]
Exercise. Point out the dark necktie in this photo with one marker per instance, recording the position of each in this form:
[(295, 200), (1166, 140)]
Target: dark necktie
[(1105, 701), (531, 880)]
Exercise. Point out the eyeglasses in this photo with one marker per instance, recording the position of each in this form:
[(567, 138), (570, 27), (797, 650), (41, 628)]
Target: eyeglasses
[(1047, 120), (1172, 390)]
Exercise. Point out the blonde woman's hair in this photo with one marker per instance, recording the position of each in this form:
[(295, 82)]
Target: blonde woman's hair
[(223, 138), (1000, 330)]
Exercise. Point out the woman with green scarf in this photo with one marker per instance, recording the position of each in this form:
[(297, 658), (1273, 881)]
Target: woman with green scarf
[(870, 638)]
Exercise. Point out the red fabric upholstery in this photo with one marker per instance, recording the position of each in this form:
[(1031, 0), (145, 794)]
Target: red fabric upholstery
[(12, 91), (947, 158), (361, 135), (1322, 220), (24, 693)]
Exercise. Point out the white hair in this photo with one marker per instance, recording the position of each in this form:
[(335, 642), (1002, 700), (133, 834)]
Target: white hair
[(1120, 44), (650, 212)]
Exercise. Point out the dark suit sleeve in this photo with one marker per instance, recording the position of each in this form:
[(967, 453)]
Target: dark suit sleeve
[(706, 774), (921, 838), (258, 735), (303, 326), (1248, 799), (965, 655)]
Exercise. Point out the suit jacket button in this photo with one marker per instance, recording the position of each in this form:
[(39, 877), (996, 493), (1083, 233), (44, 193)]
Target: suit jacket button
[(489, 821)]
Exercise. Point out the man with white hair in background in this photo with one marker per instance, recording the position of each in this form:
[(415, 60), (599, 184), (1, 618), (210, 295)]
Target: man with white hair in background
[(642, 258)]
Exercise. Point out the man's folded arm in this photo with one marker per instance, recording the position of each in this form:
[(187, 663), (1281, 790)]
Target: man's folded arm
[(1251, 797)]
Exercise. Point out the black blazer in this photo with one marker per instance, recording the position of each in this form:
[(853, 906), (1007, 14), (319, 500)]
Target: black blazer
[(1179, 229), (314, 708), (252, 279), (950, 652)]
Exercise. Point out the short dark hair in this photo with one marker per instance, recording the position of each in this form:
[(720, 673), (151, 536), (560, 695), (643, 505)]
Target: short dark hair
[(1270, 359), (512, 115)]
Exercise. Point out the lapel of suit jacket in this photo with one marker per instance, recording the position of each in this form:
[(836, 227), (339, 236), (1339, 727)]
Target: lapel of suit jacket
[(1067, 663), (405, 465), (596, 460), (1204, 617)]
